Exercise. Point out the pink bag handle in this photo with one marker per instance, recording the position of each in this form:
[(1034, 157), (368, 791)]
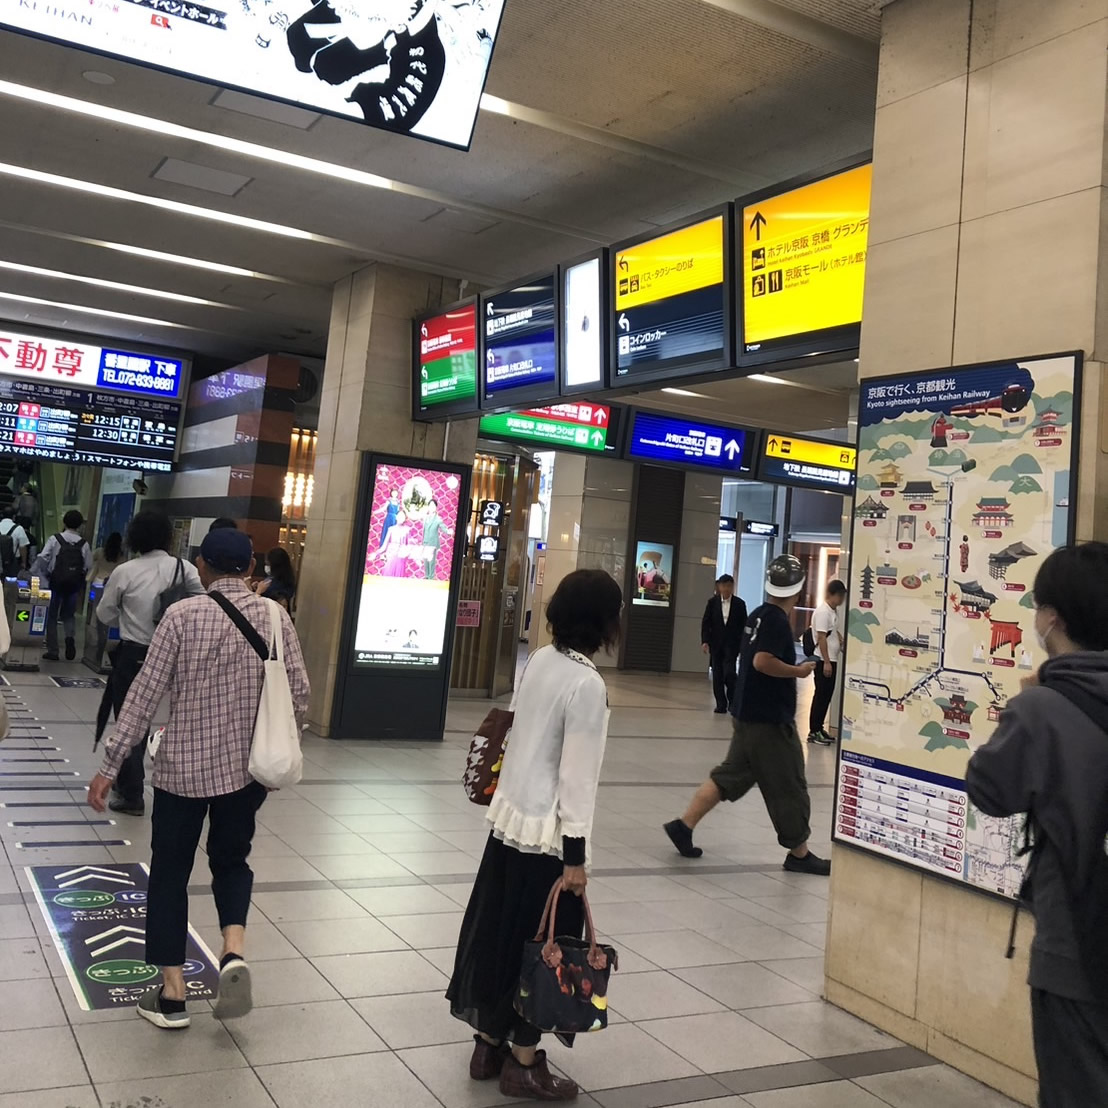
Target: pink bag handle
[(551, 952)]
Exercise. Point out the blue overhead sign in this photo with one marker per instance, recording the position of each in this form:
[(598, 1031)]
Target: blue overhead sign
[(677, 441)]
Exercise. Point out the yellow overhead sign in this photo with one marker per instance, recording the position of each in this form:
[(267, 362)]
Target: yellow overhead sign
[(804, 258), (810, 452), (679, 262)]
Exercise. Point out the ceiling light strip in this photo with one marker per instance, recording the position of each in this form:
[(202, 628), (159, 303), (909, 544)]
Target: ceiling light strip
[(285, 158), (86, 310), (118, 286)]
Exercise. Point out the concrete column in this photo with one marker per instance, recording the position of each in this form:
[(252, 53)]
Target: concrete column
[(365, 406), (987, 241), (563, 536), (697, 570)]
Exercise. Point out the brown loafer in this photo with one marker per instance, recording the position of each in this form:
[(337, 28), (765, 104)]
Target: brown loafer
[(534, 1082), (487, 1060)]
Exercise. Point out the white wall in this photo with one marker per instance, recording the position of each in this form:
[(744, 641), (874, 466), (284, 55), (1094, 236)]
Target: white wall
[(696, 569)]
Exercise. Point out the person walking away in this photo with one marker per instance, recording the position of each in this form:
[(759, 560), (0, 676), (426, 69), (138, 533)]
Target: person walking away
[(105, 558), (14, 546), (214, 679), (279, 582), (766, 750), (827, 626), (136, 595), (1048, 760), (721, 635), (65, 562), (541, 816)]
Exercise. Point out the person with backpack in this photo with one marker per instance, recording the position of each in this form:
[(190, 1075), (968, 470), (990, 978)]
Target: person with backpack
[(136, 596), (65, 562), (1048, 760), (14, 546)]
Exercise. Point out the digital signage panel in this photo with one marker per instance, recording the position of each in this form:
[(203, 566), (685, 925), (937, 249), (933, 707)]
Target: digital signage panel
[(691, 444), (444, 363), (584, 324), (521, 343), (415, 67), (807, 463), (803, 261), (672, 311), (404, 604), (582, 426)]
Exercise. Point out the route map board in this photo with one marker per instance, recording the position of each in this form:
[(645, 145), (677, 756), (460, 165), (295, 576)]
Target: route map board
[(803, 256), (965, 480)]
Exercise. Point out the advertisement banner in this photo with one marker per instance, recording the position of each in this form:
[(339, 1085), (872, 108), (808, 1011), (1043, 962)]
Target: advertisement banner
[(653, 575)]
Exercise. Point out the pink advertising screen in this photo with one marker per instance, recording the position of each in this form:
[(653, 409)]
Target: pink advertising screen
[(405, 594)]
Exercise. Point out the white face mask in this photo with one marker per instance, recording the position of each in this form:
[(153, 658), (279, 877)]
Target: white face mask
[(1041, 636)]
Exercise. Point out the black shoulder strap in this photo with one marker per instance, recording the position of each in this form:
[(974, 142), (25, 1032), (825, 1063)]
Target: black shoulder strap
[(249, 632), (1095, 709)]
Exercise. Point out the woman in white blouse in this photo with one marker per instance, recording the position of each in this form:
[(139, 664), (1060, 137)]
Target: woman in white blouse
[(541, 816)]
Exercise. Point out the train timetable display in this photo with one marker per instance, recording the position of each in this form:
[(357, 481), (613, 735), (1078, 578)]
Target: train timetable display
[(66, 424), (965, 481), (671, 312)]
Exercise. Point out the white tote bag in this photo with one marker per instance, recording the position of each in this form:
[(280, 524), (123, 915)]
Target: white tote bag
[(276, 760)]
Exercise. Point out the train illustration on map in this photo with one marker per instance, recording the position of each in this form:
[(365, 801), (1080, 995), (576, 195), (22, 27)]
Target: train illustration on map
[(1012, 399)]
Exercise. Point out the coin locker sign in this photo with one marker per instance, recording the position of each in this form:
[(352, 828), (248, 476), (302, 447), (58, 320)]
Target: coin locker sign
[(804, 259)]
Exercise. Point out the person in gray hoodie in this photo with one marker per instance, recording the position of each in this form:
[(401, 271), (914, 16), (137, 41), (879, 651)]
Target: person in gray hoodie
[(1048, 759)]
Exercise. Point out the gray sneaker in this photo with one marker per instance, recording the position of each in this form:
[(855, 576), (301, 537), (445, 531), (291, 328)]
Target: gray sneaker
[(151, 1010), (236, 997)]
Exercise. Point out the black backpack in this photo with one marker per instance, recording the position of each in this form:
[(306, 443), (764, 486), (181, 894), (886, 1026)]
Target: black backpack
[(8, 563), (808, 643), (177, 590), (69, 566)]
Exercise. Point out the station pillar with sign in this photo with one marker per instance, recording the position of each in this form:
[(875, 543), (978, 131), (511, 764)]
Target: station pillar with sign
[(366, 405)]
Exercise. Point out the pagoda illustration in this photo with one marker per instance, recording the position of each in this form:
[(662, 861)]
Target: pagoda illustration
[(867, 581), (871, 509), (890, 476), (1048, 424), (975, 597), (992, 511), (919, 490), (1003, 560)]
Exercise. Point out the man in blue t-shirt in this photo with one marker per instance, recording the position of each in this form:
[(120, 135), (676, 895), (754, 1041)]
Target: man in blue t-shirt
[(766, 749)]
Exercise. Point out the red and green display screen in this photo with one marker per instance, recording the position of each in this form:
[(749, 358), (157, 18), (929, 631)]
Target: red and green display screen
[(447, 358), (581, 426)]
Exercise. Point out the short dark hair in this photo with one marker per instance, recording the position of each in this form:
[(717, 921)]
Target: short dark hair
[(584, 611), (836, 588), (1072, 582), (73, 520), (149, 530), (223, 524), (725, 579)]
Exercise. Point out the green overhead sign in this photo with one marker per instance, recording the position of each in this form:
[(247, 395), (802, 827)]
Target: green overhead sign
[(581, 426)]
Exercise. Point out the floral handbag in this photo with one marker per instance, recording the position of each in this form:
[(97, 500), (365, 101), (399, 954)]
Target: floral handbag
[(563, 982)]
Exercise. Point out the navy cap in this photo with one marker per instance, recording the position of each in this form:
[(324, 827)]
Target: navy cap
[(227, 551)]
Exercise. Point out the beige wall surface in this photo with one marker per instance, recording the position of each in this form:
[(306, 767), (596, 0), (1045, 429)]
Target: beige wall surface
[(987, 241)]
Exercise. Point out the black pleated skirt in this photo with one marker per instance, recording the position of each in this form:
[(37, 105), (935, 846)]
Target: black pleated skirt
[(504, 912)]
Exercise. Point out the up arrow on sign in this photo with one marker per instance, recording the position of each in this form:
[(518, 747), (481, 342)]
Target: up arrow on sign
[(128, 935), (732, 449)]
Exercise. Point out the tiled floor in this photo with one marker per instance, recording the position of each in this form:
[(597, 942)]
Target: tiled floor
[(362, 875)]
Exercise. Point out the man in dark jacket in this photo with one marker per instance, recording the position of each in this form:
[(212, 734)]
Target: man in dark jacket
[(1048, 759), (721, 635)]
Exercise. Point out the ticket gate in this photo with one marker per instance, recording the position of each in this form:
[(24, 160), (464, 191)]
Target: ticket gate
[(27, 605), (98, 638)]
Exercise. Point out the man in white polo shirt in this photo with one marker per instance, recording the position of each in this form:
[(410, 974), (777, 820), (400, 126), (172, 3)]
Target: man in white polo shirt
[(827, 629)]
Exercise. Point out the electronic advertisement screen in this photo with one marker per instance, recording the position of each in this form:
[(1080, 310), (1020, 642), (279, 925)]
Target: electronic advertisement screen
[(445, 362), (807, 463), (89, 405), (803, 258), (521, 342), (671, 302), (584, 319), (415, 67), (690, 443), (966, 478), (405, 596)]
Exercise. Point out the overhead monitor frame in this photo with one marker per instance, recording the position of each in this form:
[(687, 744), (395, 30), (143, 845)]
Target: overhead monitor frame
[(695, 366), (603, 321), (618, 421), (524, 396), (454, 408), (760, 473), (822, 344), (752, 445)]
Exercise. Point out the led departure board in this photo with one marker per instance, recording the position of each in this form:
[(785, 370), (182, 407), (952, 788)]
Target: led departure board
[(807, 463), (671, 302), (691, 444), (521, 343), (67, 424), (803, 257), (445, 362)]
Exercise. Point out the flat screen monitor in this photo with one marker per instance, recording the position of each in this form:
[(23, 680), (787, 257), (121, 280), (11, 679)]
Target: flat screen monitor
[(672, 314), (807, 463), (414, 67), (674, 440), (584, 324), (444, 362), (402, 612), (520, 343), (803, 255)]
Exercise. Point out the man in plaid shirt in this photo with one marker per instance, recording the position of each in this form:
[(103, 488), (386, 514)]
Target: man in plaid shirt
[(214, 680)]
